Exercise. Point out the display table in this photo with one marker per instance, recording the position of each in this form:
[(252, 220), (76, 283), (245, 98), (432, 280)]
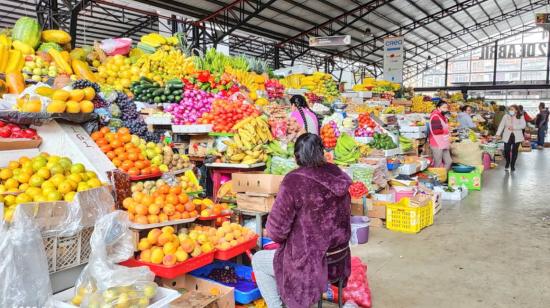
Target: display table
[(240, 213)]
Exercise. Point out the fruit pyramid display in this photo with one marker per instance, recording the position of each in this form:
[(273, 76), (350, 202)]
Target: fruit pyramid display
[(228, 235), (247, 144), (164, 246), (70, 101), (43, 178), (226, 113), (166, 203), (128, 152), (329, 134), (421, 104)]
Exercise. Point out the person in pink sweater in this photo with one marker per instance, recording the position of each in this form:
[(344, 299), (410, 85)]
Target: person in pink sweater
[(303, 115)]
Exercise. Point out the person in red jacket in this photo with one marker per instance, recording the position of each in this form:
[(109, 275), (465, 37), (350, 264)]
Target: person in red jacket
[(440, 136)]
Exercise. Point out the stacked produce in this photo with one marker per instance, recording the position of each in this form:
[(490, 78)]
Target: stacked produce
[(39, 68), (405, 144), (151, 92), (358, 190), (320, 84), (207, 81), (129, 153), (329, 134), (383, 141), (164, 204), (164, 246), (193, 105), (422, 104), (377, 86), (73, 101), (394, 110), (43, 178), (189, 183), (228, 235), (208, 208), (246, 146), (274, 89), (366, 126), (313, 98), (346, 151), (127, 111), (226, 113), (14, 131), (226, 191), (137, 295), (281, 160)]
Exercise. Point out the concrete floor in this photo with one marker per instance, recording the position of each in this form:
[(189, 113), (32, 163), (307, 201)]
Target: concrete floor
[(490, 250)]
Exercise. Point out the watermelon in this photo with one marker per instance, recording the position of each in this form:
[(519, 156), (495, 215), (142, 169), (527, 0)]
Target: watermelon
[(27, 30), (47, 46)]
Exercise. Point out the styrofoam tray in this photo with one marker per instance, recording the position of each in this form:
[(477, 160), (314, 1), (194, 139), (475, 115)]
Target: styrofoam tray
[(152, 120), (161, 224), (192, 129), (226, 165), (392, 152), (162, 300), (417, 135)]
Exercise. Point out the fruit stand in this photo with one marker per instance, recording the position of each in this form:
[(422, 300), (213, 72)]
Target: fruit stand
[(136, 121)]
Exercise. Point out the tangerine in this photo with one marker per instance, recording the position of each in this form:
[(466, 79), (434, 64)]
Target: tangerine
[(163, 217), (146, 171), (133, 156), (189, 206), (111, 155), (124, 131), (106, 148), (105, 130), (126, 138), (141, 157), (180, 208), (147, 200), (141, 219), (154, 209), (141, 209), (159, 200), (153, 219), (164, 189), (185, 215), (126, 203), (133, 171), (183, 198), (96, 135), (155, 170), (117, 162), (116, 143), (139, 164), (172, 199), (176, 190), (127, 164)]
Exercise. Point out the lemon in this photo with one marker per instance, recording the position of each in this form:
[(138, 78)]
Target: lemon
[(6, 173), (9, 200), (11, 183), (53, 195), (69, 196), (93, 183)]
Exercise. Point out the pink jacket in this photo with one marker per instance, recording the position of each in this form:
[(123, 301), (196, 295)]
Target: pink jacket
[(439, 137)]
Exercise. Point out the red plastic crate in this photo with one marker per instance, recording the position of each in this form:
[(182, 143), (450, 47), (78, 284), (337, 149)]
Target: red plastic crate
[(145, 177), (237, 250), (214, 217), (171, 272)]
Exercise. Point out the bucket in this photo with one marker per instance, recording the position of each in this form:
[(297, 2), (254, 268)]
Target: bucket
[(359, 230)]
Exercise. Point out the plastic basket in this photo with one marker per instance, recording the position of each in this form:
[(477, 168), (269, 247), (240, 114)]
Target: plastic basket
[(69, 251), (171, 272), (246, 290), (237, 250), (403, 218)]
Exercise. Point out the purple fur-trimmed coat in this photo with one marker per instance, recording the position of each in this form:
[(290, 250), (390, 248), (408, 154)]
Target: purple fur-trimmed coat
[(310, 217)]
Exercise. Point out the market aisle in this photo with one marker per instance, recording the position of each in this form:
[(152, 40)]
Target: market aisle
[(491, 250)]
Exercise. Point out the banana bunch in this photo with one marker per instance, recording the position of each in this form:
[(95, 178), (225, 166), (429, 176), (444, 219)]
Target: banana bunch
[(247, 146), (421, 106), (251, 81), (405, 144), (394, 110), (164, 64), (226, 190)]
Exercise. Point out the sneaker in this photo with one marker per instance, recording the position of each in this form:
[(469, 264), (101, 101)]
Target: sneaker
[(513, 169)]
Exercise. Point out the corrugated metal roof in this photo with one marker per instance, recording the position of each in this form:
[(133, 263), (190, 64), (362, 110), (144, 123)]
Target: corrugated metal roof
[(286, 18)]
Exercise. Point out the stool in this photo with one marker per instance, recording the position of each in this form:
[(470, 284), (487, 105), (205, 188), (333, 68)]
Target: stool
[(339, 281)]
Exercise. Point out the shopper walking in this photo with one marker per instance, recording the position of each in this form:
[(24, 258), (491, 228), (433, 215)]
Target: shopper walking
[(310, 220), (510, 130), (541, 123), (439, 136), (465, 118), (303, 115)]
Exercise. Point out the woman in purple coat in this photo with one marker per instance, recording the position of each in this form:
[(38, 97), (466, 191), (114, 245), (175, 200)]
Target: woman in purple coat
[(310, 220)]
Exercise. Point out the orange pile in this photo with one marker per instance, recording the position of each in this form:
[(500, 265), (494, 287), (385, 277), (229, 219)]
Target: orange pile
[(124, 154), (164, 204)]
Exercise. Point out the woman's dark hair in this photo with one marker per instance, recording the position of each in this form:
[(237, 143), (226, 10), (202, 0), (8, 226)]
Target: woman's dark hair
[(441, 103), (308, 151), (300, 102), (518, 113), (464, 108)]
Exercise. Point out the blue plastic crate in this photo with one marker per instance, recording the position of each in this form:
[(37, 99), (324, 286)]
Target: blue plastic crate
[(246, 291)]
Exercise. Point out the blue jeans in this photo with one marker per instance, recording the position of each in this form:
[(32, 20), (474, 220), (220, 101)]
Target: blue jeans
[(541, 135)]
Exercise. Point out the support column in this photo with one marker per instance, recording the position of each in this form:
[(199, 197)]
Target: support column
[(277, 57), (495, 64), (446, 72), (547, 60), (195, 45), (174, 24)]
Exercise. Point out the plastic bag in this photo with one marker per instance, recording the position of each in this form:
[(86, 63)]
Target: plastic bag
[(111, 243), (282, 166), (24, 277), (357, 290), (116, 46), (355, 226)]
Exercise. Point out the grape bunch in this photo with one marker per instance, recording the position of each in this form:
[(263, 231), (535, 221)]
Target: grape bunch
[(224, 275), (82, 83), (131, 118)]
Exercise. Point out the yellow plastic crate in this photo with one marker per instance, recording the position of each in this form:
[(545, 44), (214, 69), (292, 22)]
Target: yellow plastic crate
[(403, 218)]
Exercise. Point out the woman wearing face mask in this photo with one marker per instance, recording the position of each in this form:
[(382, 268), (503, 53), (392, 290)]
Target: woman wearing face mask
[(440, 136), (510, 129)]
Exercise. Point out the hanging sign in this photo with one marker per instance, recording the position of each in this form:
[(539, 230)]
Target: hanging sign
[(394, 55), (326, 41)]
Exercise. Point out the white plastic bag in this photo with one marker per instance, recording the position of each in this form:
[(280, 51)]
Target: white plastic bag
[(111, 243), (24, 277)]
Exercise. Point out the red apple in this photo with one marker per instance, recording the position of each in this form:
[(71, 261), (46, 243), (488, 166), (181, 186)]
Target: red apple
[(18, 134), (5, 132), (2, 123), (29, 133)]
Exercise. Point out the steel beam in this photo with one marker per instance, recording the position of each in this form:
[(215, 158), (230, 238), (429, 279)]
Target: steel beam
[(417, 24), (74, 18)]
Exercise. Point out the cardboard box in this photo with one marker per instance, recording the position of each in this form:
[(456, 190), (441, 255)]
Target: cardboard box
[(471, 180), (255, 202), (376, 222), (377, 210), (19, 143), (256, 182), (199, 145), (359, 207), (7, 156), (197, 293)]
